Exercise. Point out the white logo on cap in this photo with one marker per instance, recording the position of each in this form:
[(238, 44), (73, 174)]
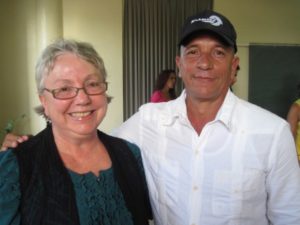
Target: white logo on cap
[(213, 20)]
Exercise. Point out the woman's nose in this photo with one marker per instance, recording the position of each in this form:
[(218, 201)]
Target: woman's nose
[(82, 96)]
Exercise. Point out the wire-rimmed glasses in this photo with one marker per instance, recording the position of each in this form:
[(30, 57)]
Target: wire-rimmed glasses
[(68, 92)]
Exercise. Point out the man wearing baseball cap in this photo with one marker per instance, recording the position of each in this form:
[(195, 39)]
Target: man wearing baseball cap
[(211, 158)]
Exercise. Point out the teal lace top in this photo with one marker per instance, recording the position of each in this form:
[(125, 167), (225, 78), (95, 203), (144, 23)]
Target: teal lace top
[(99, 199)]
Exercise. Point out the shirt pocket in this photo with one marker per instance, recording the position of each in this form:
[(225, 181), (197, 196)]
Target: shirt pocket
[(162, 177), (237, 194)]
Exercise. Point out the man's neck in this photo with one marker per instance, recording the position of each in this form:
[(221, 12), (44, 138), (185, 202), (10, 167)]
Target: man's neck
[(201, 112)]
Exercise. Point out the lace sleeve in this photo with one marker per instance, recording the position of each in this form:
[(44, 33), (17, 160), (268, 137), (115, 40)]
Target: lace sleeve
[(9, 189)]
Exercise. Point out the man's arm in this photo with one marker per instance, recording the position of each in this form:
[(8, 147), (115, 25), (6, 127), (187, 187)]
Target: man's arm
[(283, 181)]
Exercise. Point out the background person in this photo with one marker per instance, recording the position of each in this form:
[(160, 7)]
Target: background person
[(71, 173), (293, 118), (165, 87)]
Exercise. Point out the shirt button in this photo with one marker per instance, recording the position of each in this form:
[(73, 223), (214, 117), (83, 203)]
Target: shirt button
[(195, 188)]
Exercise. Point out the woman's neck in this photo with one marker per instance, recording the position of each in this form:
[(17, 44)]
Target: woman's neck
[(83, 155)]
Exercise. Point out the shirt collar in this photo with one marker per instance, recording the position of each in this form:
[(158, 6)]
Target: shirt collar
[(178, 110), (225, 113)]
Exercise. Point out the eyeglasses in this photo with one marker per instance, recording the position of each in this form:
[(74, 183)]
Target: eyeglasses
[(67, 92)]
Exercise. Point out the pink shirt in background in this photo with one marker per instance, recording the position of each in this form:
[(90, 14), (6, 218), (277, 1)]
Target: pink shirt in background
[(157, 96)]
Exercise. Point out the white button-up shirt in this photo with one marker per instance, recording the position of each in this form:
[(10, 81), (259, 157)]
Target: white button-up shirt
[(241, 170)]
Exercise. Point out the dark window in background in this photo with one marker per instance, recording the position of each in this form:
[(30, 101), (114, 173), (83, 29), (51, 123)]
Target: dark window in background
[(274, 72)]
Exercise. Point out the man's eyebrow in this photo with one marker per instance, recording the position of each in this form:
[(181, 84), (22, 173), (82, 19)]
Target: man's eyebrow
[(190, 46)]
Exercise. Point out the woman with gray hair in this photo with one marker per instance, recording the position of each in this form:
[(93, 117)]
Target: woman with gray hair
[(72, 173)]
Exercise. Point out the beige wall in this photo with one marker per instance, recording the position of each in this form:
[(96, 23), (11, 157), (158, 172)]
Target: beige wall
[(28, 25), (100, 23), (14, 62)]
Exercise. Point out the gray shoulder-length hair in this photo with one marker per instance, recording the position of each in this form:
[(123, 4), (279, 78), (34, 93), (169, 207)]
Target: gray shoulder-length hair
[(61, 46)]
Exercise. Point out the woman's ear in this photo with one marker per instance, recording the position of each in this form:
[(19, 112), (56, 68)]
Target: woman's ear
[(44, 104)]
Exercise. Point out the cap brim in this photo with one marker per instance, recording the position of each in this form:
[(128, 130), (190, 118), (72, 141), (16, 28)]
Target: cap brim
[(193, 34)]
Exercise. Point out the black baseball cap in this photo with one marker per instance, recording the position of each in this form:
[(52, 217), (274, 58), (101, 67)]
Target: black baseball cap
[(210, 22)]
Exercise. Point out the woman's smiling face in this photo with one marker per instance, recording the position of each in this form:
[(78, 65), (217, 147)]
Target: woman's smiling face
[(81, 115)]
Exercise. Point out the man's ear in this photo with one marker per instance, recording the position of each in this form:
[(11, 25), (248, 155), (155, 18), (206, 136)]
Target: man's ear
[(234, 66), (178, 64)]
